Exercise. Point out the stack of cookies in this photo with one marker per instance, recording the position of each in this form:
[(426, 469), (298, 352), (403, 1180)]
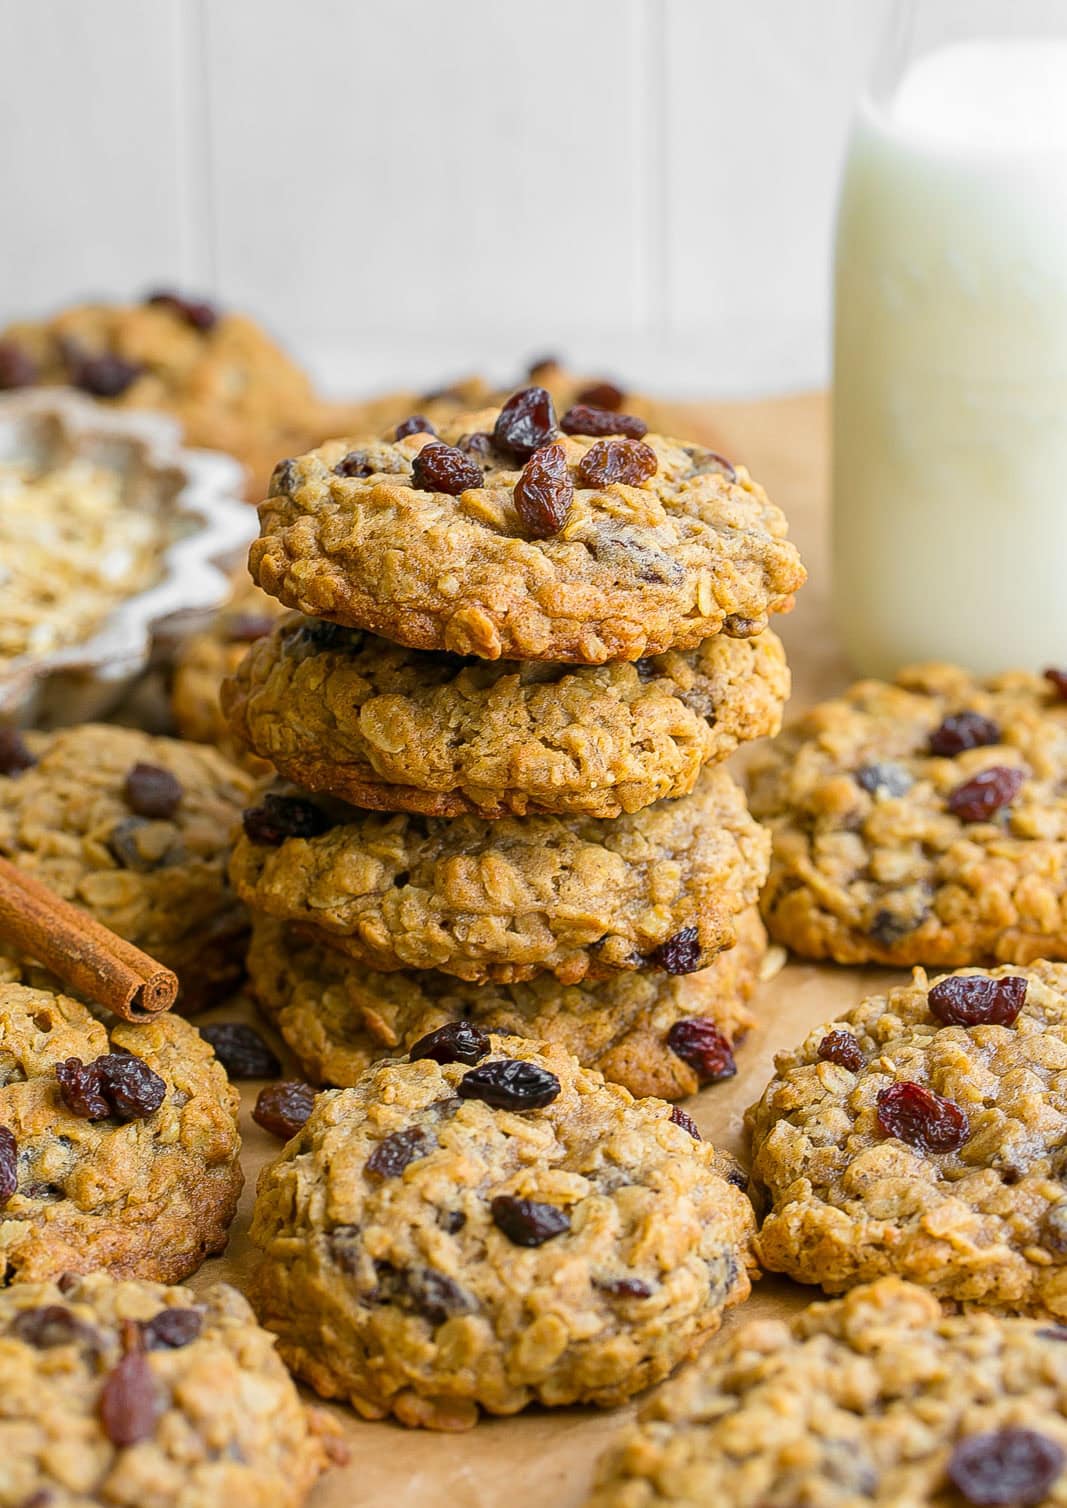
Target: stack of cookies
[(521, 650)]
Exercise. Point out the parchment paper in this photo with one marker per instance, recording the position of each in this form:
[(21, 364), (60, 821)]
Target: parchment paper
[(544, 1459)]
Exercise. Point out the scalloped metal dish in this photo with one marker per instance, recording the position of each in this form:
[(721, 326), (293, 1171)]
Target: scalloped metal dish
[(200, 489)]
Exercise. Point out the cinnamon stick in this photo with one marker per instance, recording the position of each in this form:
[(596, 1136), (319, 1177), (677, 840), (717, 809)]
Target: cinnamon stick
[(80, 951)]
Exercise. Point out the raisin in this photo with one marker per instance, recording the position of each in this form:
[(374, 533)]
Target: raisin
[(133, 1090), (736, 1175), (117, 1084), (682, 1118), (283, 1108), (124, 846), (444, 468), (17, 367), (736, 626), (129, 1401), (680, 954), (544, 492), (52, 1325), (979, 799), (705, 462), (283, 479), (451, 1221), (437, 1296), (624, 1288), (104, 376), (196, 312), (246, 628), (525, 423), (80, 1089), (963, 730), (433, 1294), (974, 1000), (1054, 1332), (630, 462), (415, 424), (841, 1047), (585, 420), (477, 444), (355, 463), (510, 1084), (280, 817), (1057, 679), (601, 395), (15, 755), (921, 1117), (152, 792), (888, 927), (526, 1222), (1011, 1465), (171, 1329), (241, 1050), (455, 1042), (884, 779), (701, 1044), (393, 1153)]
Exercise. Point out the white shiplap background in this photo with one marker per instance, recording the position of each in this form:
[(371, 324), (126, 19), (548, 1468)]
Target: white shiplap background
[(408, 188)]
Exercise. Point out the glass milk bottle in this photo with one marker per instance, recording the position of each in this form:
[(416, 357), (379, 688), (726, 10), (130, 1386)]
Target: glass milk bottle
[(950, 349)]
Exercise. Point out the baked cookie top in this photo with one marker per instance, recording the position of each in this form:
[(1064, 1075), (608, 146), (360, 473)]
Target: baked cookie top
[(343, 711), (922, 1134), (505, 900), (136, 830), (491, 1225), (527, 544), (877, 1398), (118, 1147), (921, 822), (654, 1033), (219, 373), (131, 1392)]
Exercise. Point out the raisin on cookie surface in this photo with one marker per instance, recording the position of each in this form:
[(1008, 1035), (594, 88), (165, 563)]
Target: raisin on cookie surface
[(350, 714), (143, 853), (583, 569), (508, 899), (118, 1147), (654, 1033), (922, 1134), (129, 1393), (877, 1398), (489, 1226), (920, 822)]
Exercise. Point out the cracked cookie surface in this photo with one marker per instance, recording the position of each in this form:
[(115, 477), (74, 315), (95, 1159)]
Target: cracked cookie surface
[(871, 864), (634, 571), (337, 1017), (213, 1414), (348, 713), (158, 882), (861, 1177), (877, 1398), (390, 1278), (146, 1197), (507, 899)]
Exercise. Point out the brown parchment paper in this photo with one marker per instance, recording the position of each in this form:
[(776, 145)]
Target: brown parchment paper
[(544, 1459)]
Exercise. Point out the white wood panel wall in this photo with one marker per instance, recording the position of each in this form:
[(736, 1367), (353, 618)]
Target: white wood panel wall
[(403, 187)]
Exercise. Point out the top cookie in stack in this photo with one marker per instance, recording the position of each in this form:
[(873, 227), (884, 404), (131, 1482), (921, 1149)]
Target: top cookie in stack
[(531, 639)]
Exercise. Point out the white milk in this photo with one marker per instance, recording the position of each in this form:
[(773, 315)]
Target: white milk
[(950, 380)]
